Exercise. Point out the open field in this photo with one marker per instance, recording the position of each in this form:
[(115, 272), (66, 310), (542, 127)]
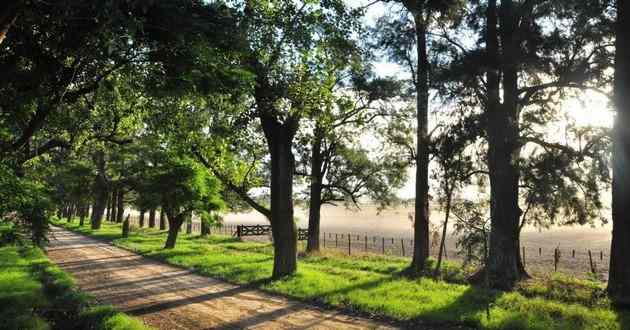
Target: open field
[(373, 285), (395, 223)]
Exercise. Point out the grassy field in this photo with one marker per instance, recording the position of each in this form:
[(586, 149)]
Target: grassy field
[(374, 285), (34, 294)]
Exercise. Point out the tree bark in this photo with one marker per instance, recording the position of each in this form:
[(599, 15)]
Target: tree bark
[(100, 192), (503, 266), (125, 228), (205, 228), (279, 139), (447, 214), (108, 208), (162, 220), (120, 208), (315, 204), (174, 225), (152, 218), (114, 212), (421, 218), (619, 273), (82, 213), (142, 218)]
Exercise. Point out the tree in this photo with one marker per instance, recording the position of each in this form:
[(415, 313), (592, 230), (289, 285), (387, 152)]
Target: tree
[(185, 187), (330, 154), (456, 167), (406, 41), (278, 33), (100, 190), (619, 274), (514, 74)]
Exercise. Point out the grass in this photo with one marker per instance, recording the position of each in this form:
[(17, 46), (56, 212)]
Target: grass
[(35, 294), (373, 284)]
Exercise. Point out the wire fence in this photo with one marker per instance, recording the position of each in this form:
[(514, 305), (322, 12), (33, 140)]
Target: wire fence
[(540, 259)]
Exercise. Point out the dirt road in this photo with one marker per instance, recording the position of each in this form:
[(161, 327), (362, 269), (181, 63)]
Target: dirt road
[(167, 297)]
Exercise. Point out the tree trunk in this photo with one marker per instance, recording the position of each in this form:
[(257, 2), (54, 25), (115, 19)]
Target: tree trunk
[(152, 218), (108, 208), (162, 220), (315, 204), (142, 218), (99, 191), (114, 212), (503, 266), (174, 225), (82, 213), (421, 218), (447, 212), (619, 273), (279, 138), (125, 228), (120, 208), (205, 228)]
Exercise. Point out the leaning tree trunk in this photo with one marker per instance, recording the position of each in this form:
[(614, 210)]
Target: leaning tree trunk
[(284, 232), (315, 204), (99, 192), (120, 208), (174, 225), (619, 273), (152, 218), (504, 267), (421, 218)]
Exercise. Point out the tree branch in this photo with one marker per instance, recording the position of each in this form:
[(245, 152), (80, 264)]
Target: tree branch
[(240, 191)]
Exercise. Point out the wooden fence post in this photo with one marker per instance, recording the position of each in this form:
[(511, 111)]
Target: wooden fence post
[(539, 251), (349, 244), (366, 244), (324, 240), (383, 245), (590, 259), (556, 258), (524, 262), (336, 240), (601, 255), (402, 245), (573, 254)]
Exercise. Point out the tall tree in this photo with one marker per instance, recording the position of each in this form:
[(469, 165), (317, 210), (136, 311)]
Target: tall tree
[(407, 41), (331, 157), (619, 275), (281, 42)]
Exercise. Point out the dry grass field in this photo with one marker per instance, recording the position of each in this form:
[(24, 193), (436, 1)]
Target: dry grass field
[(395, 223)]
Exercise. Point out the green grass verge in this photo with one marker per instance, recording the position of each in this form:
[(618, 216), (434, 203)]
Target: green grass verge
[(35, 294), (373, 284)]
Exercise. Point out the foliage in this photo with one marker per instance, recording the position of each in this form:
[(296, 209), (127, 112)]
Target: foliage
[(26, 203), (184, 187), (472, 228)]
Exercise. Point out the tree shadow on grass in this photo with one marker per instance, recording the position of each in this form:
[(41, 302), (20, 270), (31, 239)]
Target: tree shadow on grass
[(463, 312), (623, 316)]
